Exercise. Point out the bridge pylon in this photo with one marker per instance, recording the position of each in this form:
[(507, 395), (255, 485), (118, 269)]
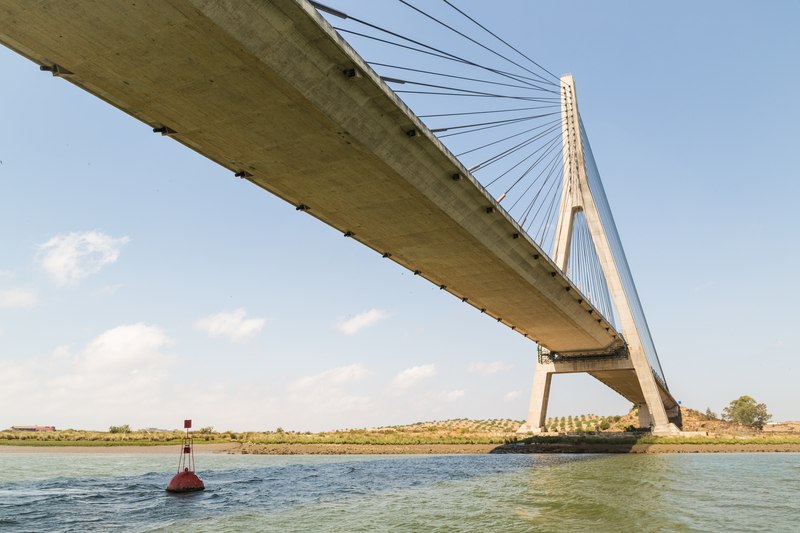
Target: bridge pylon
[(634, 370)]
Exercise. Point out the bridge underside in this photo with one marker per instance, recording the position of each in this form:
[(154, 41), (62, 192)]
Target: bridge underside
[(617, 373), (260, 88)]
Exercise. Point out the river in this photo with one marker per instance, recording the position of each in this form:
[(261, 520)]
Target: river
[(680, 492)]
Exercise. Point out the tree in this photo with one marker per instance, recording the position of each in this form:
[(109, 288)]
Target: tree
[(711, 414), (746, 411), (120, 429)]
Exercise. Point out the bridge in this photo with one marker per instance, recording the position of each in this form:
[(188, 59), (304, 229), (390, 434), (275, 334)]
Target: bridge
[(272, 92)]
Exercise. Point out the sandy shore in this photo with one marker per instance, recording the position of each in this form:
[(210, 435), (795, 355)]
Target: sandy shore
[(388, 449)]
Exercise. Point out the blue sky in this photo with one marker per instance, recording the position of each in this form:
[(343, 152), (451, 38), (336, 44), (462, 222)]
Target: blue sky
[(142, 284)]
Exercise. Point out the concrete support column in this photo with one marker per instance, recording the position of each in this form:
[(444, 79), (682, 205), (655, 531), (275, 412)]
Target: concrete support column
[(645, 420), (583, 199), (655, 404), (540, 394)]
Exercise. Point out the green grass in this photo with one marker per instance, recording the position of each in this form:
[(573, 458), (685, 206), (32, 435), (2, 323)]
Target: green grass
[(90, 443), (384, 436)]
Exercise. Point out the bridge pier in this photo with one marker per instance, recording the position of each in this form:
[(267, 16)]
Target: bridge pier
[(618, 372), (540, 395), (645, 420)]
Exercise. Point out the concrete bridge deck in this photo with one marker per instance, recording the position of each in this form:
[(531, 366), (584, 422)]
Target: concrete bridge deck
[(259, 87)]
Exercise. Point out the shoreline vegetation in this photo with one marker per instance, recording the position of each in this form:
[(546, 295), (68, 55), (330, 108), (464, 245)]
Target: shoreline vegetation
[(595, 435)]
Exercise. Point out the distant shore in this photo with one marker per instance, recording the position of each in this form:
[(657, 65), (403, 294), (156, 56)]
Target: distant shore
[(410, 449), (225, 447), (265, 449)]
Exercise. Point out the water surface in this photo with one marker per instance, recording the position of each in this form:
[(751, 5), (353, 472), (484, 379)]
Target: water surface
[(681, 492)]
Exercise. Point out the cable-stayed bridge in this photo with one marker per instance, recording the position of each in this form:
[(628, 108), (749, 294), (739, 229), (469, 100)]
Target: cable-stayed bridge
[(488, 188)]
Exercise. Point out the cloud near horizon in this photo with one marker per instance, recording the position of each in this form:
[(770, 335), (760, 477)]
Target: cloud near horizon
[(452, 396), (330, 391), (334, 377), (362, 320), (489, 368), (512, 396), (69, 258), (18, 298), (414, 376), (233, 325), (120, 375)]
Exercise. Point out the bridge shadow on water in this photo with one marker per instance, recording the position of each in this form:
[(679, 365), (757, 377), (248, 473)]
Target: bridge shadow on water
[(577, 444)]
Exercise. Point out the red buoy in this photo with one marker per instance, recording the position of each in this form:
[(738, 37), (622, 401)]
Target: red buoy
[(186, 480)]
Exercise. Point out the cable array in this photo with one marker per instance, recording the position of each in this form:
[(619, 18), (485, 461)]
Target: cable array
[(490, 104), (584, 269)]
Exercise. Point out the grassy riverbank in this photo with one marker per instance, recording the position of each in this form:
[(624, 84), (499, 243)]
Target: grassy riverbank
[(449, 436), (450, 432)]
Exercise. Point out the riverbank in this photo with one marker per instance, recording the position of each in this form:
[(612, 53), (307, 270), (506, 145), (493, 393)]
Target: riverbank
[(265, 449), (223, 447), (457, 436), (610, 447), (418, 449)]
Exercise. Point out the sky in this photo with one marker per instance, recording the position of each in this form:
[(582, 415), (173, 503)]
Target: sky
[(142, 284)]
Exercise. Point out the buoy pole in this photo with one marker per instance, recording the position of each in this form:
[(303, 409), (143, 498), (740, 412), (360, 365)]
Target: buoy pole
[(186, 460)]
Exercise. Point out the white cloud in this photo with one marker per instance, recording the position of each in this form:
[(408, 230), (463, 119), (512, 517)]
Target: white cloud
[(330, 391), (109, 290), (361, 321), (413, 376), (68, 258), (704, 286), (453, 395), (234, 325), (334, 377), (18, 298), (61, 351), (129, 375), (125, 349), (119, 377), (512, 396), (486, 369)]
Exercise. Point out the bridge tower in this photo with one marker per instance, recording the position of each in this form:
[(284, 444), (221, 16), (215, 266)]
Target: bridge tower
[(634, 371)]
